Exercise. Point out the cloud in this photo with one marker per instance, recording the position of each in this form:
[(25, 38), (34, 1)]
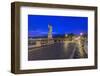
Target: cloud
[(37, 33)]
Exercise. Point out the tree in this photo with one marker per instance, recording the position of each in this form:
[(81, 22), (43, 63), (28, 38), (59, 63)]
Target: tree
[(85, 35), (70, 36)]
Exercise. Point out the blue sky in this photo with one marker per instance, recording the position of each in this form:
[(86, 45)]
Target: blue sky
[(38, 24)]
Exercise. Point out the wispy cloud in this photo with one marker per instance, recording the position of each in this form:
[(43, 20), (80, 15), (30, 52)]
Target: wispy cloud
[(39, 33)]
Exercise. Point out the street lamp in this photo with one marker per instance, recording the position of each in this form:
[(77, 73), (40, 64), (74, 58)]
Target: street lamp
[(81, 34), (66, 35)]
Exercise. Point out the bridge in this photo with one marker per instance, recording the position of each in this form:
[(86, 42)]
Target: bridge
[(43, 43)]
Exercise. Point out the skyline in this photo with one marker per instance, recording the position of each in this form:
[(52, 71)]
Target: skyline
[(38, 25)]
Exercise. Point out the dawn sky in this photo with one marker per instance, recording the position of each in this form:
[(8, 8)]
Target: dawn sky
[(38, 24)]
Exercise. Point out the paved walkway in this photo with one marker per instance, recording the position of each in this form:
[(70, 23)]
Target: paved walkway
[(68, 50)]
